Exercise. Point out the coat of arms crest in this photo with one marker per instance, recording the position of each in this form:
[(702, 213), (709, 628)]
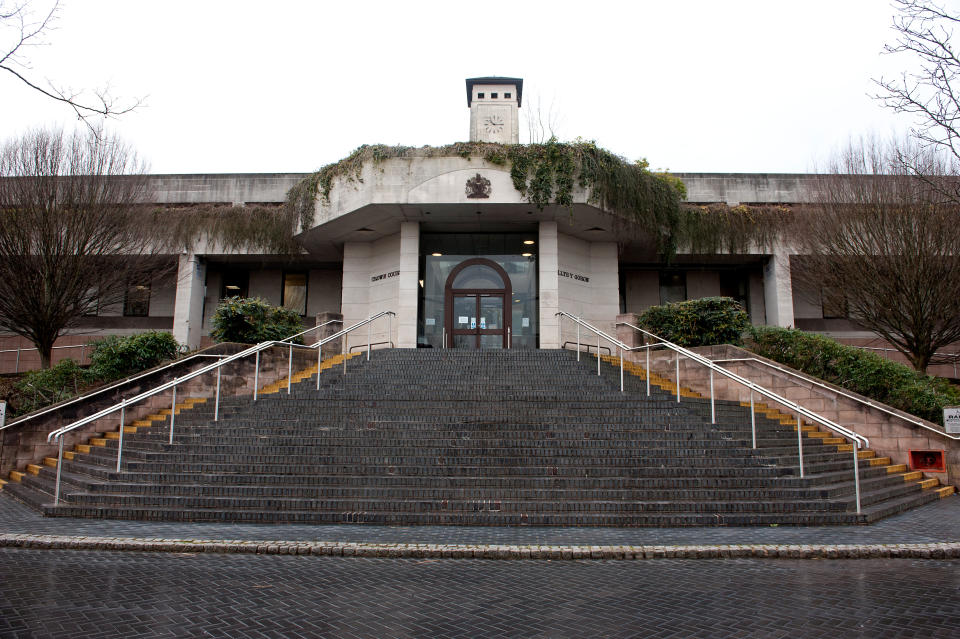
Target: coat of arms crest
[(478, 187)]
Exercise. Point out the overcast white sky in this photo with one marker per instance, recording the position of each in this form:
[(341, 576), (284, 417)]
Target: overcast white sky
[(236, 86)]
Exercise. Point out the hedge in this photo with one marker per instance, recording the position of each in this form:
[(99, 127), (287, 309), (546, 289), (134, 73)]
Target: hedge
[(253, 320), (702, 322), (857, 370)]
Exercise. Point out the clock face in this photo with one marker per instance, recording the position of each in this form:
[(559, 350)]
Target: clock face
[(493, 124)]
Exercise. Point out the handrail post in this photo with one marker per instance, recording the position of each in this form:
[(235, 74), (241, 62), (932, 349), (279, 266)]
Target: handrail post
[(390, 329), (678, 375), (216, 401), (256, 375), (621, 368), (509, 346), (123, 405), (56, 492), (173, 410), (289, 367), (16, 369), (648, 371), (578, 338), (753, 420), (319, 362), (856, 472), (343, 349), (369, 324), (713, 409), (598, 354), (800, 444)]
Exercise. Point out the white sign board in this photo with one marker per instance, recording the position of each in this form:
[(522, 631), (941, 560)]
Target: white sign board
[(951, 419), (3, 412)]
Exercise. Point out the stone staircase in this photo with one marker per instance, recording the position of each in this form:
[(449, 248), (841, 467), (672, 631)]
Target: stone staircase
[(472, 438)]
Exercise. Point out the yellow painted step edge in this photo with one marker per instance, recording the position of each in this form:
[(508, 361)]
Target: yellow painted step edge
[(16, 475), (896, 468), (929, 483), (946, 491), (50, 461), (34, 469), (83, 448), (912, 476)]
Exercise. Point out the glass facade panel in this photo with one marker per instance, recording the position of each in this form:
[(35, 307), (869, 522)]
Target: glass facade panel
[(441, 253)]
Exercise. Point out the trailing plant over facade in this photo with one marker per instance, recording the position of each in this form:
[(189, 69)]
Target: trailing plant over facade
[(268, 228), (551, 172)]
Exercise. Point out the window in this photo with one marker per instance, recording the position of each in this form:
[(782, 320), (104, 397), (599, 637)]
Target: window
[(295, 292), (507, 95), (834, 304), (235, 284), (493, 96), (673, 287), (479, 96), (735, 285), (136, 303)]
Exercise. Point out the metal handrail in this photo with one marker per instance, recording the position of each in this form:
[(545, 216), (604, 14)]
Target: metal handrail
[(16, 368), (621, 347), (859, 441), (253, 350), (833, 389), (127, 380)]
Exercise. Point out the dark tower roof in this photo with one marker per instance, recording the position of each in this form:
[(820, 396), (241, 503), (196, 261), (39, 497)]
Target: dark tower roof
[(494, 80)]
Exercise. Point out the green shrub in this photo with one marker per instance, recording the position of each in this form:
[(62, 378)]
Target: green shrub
[(711, 320), (857, 370), (37, 389), (116, 357), (253, 320)]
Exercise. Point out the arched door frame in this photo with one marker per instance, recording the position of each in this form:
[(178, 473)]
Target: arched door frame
[(507, 291)]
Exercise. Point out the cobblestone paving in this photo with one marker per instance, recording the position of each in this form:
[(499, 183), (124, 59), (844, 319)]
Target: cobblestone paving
[(109, 594), (935, 522)]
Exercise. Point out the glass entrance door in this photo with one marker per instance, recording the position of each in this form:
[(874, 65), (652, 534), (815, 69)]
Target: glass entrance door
[(478, 299), (478, 320)]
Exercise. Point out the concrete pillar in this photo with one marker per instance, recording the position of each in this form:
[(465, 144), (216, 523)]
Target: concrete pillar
[(188, 304), (605, 285), (778, 290), (408, 285), (355, 291), (549, 286)]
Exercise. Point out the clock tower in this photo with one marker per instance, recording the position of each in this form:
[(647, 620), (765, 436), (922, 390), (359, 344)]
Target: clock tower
[(494, 109)]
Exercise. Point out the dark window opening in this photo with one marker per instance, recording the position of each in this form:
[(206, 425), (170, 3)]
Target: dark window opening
[(136, 302), (480, 96), (834, 304), (294, 295), (493, 96), (235, 284), (673, 287), (508, 95), (735, 285)]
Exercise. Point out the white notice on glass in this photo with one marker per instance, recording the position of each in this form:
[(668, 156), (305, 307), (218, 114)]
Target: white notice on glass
[(951, 419), (431, 321), (462, 319), (483, 322), (525, 322)]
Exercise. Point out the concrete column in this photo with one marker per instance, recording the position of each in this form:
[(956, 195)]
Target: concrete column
[(549, 286), (355, 300), (188, 304), (605, 284), (408, 285), (778, 290)]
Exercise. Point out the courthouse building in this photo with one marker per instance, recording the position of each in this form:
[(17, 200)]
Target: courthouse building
[(460, 255)]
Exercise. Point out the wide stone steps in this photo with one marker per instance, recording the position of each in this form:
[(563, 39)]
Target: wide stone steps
[(489, 438)]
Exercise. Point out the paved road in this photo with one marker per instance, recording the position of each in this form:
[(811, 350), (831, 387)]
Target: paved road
[(110, 594)]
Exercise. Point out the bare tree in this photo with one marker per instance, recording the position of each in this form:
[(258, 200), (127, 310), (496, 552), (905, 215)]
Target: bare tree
[(543, 124), (72, 236), (22, 28), (885, 243)]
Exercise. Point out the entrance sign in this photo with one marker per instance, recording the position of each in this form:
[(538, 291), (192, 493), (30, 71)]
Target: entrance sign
[(951, 419)]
